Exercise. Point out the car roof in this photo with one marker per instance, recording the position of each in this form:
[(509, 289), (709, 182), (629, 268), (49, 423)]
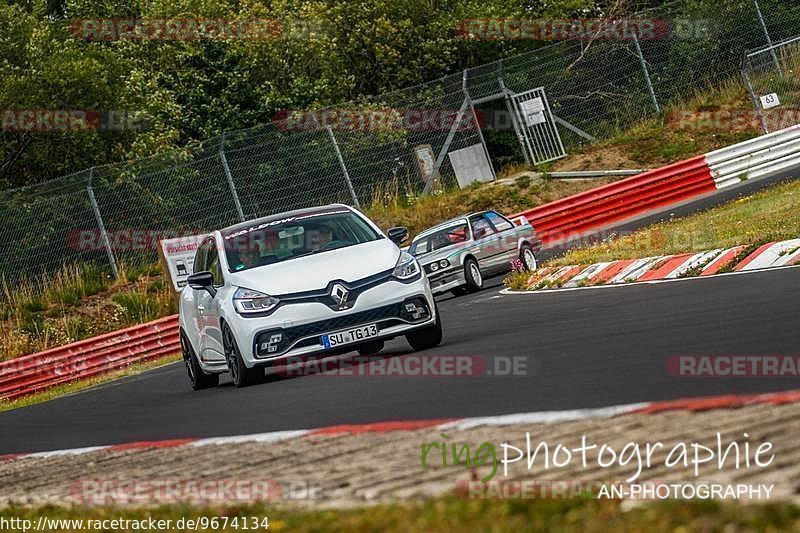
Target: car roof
[(447, 222), (278, 216)]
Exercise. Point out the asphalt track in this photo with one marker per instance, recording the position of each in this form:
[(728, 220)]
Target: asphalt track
[(584, 348)]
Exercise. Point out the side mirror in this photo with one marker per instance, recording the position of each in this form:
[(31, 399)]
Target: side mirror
[(397, 235), (202, 281)]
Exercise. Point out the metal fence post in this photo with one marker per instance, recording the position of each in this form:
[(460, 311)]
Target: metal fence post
[(446, 146), (229, 176), (513, 117), (769, 39), (753, 97), (646, 72), (476, 122), (100, 224), (344, 167)]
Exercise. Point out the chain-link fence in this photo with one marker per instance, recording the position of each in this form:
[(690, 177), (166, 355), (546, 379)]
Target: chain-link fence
[(595, 88), (772, 77)]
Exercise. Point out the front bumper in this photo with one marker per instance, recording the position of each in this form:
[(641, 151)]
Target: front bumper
[(301, 325), (446, 281)]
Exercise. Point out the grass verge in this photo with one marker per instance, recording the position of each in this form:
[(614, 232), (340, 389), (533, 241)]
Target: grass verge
[(78, 302), (451, 514)]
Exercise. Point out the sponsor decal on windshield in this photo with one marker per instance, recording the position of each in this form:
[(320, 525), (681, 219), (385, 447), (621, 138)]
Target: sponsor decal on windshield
[(280, 221)]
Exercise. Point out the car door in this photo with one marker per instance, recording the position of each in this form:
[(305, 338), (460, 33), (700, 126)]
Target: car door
[(214, 347), (485, 246), (506, 236), (205, 308)]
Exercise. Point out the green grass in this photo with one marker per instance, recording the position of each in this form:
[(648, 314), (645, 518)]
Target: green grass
[(451, 514), (769, 215), (78, 302)]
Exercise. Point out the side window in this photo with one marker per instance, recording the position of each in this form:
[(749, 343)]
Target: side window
[(499, 223), (481, 227), (200, 256), (212, 265)]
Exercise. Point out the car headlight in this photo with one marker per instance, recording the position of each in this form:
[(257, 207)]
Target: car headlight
[(444, 263), (434, 267), (407, 267), (249, 302)]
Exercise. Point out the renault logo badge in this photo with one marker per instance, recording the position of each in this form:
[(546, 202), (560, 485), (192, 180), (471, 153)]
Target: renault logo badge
[(339, 294)]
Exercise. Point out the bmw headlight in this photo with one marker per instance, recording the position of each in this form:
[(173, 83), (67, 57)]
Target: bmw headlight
[(250, 302), (434, 266), (407, 267), (444, 263)]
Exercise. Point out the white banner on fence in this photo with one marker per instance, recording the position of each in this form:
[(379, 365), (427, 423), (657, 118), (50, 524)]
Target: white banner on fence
[(178, 255)]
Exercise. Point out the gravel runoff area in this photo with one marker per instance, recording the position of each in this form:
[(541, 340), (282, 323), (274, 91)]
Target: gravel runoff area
[(363, 467)]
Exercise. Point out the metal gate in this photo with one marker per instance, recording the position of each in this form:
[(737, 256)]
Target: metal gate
[(540, 138), (769, 74)]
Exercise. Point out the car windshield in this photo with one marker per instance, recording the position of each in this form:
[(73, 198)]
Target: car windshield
[(439, 239), (282, 239)]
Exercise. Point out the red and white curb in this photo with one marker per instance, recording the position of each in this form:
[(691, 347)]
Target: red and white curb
[(543, 417), (770, 255)]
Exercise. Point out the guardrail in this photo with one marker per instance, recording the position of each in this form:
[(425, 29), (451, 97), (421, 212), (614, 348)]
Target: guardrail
[(89, 357), (755, 158), (573, 216), (555, 222)]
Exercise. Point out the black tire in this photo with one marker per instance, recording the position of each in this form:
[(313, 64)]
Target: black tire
[(370, 348), (240, 374), (527, 257), (473, 276), (197, 378), (428, 337)]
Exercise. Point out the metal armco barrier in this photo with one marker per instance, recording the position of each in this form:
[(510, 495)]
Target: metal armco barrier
[(586, 213), (89, 357), (576, 215), (756, 158)]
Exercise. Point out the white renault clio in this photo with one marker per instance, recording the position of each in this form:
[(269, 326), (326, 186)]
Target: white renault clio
[(309, 282)]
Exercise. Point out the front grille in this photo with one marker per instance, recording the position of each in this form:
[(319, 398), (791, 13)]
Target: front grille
[(291, 335), (387, 315)]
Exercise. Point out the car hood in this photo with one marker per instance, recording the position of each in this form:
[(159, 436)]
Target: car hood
[(442, 253), (314, 272)]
